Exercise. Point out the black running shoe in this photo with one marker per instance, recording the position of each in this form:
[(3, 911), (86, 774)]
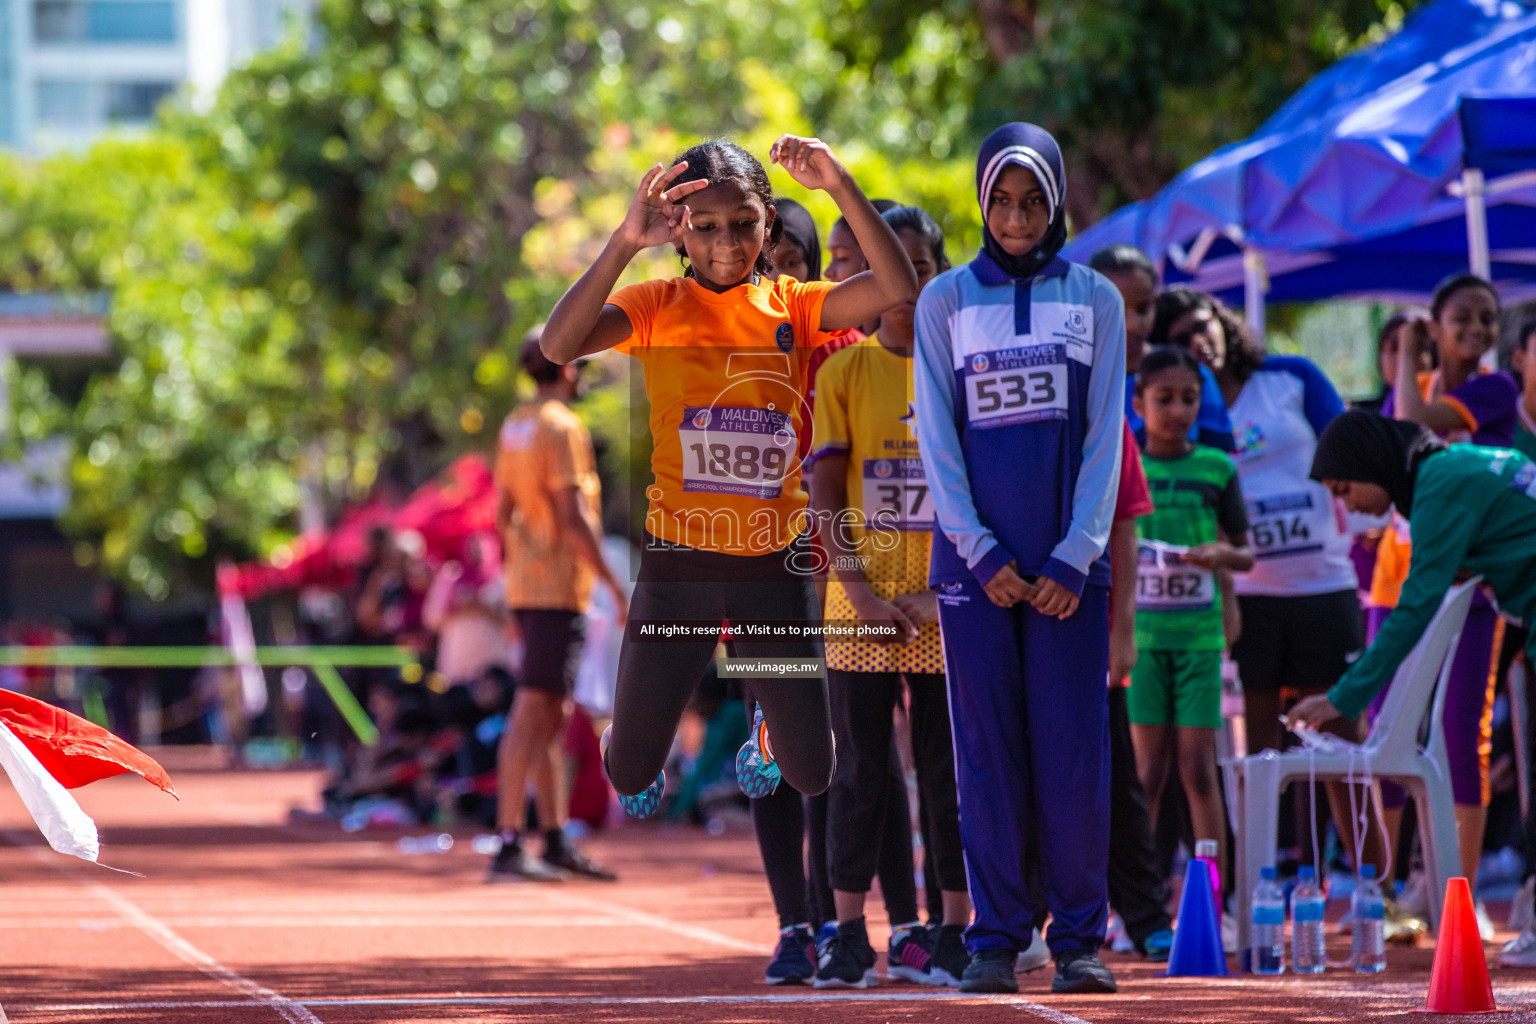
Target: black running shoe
[(793, 962), (1081, 971), (991, 970), (848, 961), (567, 859), (512, 863), (949, 956)]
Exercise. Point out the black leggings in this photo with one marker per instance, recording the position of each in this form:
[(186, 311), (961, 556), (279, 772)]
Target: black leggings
[(860, 802), (1136, 889), (797, 869), (679, 584)]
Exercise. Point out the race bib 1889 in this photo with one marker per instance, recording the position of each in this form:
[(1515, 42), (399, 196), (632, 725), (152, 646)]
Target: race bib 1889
[(1164, 583), (1288, 524), (896, 495), (736, 450), (1018, 385)]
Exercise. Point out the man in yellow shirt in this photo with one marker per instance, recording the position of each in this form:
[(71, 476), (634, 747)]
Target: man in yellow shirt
[(547, 515)]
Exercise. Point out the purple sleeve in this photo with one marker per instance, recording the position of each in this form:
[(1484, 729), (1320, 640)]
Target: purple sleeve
[(1490, 399)]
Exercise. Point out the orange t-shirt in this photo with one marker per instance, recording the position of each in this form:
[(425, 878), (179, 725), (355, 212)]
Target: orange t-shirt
[(544, 448), (725, 376)]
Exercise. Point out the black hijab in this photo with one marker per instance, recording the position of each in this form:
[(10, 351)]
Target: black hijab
[(1360, 445), (1031, 147), (801, 229)]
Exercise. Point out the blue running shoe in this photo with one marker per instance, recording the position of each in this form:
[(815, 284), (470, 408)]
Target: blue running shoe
[(1158, 945), (756, 773), (644, 803), (794, 961)]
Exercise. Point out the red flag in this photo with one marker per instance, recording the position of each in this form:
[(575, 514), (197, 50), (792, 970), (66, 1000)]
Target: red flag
[(74, 751)]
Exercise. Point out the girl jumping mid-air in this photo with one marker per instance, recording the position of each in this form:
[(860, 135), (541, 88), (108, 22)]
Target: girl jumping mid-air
[(724, 351)]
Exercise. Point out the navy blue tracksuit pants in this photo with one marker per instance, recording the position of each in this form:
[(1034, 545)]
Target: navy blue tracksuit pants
[(1030, 710)]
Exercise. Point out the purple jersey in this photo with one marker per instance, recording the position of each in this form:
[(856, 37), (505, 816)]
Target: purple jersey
[(1486, 403)]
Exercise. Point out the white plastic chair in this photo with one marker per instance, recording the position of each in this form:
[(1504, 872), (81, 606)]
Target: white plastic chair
[(1391, 751)]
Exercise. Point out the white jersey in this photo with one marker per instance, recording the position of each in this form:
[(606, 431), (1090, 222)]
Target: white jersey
[(1298, 531)]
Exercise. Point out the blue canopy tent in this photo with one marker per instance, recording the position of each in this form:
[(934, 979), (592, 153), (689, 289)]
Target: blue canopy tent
[(1363, 198)]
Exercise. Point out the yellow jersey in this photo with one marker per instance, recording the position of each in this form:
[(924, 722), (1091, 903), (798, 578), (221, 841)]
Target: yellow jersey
[(864, 411)]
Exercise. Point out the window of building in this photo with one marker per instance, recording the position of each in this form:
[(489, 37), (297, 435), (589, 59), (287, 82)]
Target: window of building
[(135, 101), (104, 21), (66, 104), (82, 104)]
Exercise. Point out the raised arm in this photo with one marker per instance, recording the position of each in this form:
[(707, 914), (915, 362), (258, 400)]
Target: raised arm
[(890, 279), (1407, 402), (582, 322)]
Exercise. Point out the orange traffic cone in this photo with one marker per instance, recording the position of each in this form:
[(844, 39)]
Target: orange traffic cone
[(1458, 983)]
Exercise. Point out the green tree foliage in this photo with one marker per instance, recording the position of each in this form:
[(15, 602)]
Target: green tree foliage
[(1136, 90), (319, 283)]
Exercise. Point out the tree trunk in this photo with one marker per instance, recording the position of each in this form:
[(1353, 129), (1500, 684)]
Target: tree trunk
[(1008, 25)]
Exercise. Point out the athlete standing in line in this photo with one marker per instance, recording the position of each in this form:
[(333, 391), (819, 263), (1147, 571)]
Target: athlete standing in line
[(1020, 378), (877, 518)]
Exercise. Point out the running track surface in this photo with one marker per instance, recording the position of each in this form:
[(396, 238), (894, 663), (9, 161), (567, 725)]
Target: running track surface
[(244, 918)]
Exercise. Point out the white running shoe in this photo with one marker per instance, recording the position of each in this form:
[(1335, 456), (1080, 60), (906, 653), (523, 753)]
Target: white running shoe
[(1520, 910), (1484, 922), (1116, 937), (1038, 954)]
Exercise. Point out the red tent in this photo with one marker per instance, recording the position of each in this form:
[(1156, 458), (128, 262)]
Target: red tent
[(320, 557), (459, 502), (446, 511)]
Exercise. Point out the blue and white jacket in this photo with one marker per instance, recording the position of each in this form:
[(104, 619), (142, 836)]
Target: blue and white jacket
[(1020, 415)]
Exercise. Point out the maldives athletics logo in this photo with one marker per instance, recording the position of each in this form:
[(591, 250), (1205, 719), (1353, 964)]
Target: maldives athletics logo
[(883, 469), (701, 419), (979, 363), (784, 337)]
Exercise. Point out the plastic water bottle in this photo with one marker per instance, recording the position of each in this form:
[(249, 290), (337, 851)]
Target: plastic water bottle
[(1308, 953), (1268, 931), (1370, 943), (442, 842), (1205, 849)]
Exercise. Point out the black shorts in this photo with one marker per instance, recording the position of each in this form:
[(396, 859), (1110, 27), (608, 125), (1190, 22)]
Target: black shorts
[(1301, 643), (552, 642)]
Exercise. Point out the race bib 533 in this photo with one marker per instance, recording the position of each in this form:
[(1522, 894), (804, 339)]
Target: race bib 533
[(1019, 385)]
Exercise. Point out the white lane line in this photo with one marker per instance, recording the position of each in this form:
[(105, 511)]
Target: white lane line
[(296, 923), (290, 1011), (515, 1001), (1054, 1016), (1372, 993), (640, 917)]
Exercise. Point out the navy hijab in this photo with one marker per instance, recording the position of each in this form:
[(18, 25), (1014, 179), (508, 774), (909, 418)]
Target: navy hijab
[(1032, 148), (801, 229)]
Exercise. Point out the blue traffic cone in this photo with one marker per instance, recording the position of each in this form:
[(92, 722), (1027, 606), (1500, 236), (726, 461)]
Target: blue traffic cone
[(1197, 940)]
